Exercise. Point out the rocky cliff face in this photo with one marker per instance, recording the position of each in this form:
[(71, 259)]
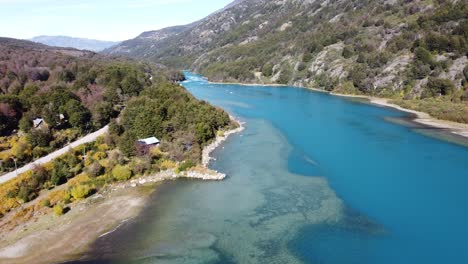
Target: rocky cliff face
[(382, 47)]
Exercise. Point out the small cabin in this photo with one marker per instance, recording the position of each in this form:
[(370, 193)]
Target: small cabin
[(144, 145), (152, 141), (38, 122)]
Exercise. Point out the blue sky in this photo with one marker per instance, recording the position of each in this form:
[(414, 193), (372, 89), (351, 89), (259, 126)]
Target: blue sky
[(98, 19)]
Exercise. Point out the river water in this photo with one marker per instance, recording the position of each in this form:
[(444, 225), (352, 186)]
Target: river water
[(314, 178)]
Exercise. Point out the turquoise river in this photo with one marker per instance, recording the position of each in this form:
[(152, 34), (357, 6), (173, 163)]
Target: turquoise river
[(313, 178)]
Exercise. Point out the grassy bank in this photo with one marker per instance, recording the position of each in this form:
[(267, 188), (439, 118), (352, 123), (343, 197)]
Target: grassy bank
[(438, 108)]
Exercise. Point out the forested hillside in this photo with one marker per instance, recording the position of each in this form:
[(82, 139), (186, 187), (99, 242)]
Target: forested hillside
[(74, 92), (404, 49), (51, 96)]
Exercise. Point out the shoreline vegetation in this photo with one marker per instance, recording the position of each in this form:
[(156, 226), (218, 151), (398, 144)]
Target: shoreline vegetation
[(458, 129), (70, 235)]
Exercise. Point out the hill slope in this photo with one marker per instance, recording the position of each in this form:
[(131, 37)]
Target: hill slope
[(393, 48), (54, 95), (78, 43)]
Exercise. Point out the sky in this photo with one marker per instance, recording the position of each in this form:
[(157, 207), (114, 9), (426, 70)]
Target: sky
[(113, 20)]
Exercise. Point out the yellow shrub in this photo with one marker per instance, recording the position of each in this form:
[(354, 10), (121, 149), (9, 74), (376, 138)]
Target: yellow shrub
[(4, 155), (24, 214), (220, 133), (104, 163), (78, 180), (80, 192), (156, 152), (56, 197), (58, 210), (121, 173), (100, 155), (168, 164), (7, 204), (89, 160), (103, 147)]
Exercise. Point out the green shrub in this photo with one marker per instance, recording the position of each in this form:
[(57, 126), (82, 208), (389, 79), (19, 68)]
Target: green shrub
[(60, 173), (348, 52), (285, 76), (423, 55), (46, 203), (121, 173), (186, 165)]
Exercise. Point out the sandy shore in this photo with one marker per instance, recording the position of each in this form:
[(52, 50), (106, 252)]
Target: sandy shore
[(51, 239), (420, 117)]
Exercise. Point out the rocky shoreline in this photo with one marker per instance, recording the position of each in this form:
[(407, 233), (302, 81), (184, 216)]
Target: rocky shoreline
[(206, 158)]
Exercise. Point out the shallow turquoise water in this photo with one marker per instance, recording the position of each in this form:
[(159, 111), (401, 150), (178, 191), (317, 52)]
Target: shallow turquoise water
[(313, 179)]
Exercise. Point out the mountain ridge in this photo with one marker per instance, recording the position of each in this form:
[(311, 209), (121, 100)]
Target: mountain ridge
[(73, 42)]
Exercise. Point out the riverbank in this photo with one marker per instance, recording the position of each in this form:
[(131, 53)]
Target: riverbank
[(220, 138), (46, 238), (458, 129)]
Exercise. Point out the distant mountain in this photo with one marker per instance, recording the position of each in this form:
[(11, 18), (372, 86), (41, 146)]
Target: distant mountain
[(145, 44), (78, 43)]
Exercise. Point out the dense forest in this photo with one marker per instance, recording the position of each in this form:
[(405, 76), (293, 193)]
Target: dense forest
[(75, 92), (49, 97), (414, 51)]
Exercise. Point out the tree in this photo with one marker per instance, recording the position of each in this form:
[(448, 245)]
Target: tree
[(39, 137), (66, 76), (95, 169), (78, 115), (203, 133), (267, 69), (102, 113), (131, 86), (11, 111), (420, 70), (60, 173), (25, 124), (437, 87), (285, 75)]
